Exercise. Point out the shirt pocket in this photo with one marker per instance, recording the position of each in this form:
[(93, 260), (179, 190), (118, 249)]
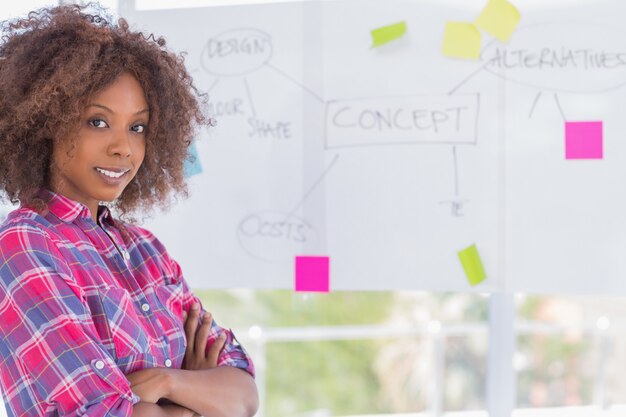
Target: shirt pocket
[(123, 327), (171, 317), (171, 297)]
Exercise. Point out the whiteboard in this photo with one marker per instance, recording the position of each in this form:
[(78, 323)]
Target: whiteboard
[(565, 225), (301, 163), (393, 159)]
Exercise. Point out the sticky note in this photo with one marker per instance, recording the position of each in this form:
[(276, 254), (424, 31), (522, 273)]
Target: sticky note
[(461, 40), (583, 140), (387, 34), (499, 18), (312, 273), (192, 163), (472, 265)]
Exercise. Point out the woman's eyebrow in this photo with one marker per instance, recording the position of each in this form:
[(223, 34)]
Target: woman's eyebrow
[(112, 112)]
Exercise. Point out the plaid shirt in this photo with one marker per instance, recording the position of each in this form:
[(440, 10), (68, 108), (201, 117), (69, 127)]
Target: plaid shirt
[(81, 305)]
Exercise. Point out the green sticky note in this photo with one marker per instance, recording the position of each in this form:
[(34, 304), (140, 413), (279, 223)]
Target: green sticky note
[(499, 18), (387, 34), (461, 40), (472, 265)]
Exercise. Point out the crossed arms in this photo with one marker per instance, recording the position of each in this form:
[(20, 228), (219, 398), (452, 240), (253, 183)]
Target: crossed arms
[(200, 388)]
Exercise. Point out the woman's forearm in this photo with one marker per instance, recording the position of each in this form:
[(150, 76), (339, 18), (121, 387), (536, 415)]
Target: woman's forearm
[(142, 409), (148, 410), (218, 392)]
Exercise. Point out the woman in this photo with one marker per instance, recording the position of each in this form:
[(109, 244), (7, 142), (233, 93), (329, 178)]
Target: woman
[(96, 317)]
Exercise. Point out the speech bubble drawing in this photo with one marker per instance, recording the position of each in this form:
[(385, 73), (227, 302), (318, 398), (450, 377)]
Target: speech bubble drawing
[(236, 52), (274, 236), (568, 57)]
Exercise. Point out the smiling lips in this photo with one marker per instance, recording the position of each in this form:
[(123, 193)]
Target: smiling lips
[(113, 172)]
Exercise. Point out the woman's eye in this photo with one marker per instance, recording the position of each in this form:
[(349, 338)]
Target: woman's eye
[(99, 123), (139, 129)]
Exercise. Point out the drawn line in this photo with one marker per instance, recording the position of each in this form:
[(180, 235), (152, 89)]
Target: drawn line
[(295, 82), (558, 104), (245, 81), (213, 85), (456, 173), (332, 163), (532, 109), (469, 77)]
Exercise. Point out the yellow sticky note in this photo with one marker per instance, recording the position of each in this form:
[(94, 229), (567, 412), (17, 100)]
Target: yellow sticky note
[(461, 40), (472, 265), (387, 34), (499, 18)]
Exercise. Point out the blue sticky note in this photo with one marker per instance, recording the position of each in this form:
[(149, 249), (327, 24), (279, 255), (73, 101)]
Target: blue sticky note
[(192, 163)]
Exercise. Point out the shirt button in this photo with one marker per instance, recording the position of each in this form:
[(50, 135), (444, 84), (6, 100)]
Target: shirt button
[(145, 307), (127, 256), (168, 363), (99, 365)]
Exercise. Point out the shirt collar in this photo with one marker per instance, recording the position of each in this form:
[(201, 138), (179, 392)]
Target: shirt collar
[(68, 210), (104, 215)]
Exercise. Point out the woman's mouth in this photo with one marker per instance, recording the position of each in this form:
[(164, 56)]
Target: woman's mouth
[(113, 176)]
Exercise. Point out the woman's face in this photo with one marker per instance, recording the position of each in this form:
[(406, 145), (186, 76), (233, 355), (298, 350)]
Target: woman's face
[(108, 149)]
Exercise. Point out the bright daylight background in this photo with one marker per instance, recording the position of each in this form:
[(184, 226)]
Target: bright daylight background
[(415, 353)]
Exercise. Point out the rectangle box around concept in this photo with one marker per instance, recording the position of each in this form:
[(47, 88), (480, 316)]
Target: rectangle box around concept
[(420, 119)]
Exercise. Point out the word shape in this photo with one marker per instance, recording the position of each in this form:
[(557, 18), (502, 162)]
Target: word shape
[(266, 130)]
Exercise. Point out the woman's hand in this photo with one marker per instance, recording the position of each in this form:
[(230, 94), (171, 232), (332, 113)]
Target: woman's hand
[(196, 355), (151, 384), (154, 384)]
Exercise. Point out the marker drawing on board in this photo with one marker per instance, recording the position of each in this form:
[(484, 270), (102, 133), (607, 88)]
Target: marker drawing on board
[(306, 195), (245, 82), (558, 104), (321, 100), (456, 173), (456, 204), (469, 77), (217, 80), (565, 57), (398, 120), (532, 108), (265, 235), (236, 52)]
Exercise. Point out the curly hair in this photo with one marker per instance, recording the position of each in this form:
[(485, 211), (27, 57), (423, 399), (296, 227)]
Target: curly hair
[(52, 62)]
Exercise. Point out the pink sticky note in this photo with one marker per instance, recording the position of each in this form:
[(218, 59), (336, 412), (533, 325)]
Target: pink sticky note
[(312, 273), (583, 140)]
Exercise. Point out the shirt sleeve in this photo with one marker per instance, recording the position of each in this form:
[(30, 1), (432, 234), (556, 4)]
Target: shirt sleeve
[(48, 333), (233, 353)]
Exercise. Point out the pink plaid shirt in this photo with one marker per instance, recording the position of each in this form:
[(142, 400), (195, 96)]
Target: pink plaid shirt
[(81, 306)]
